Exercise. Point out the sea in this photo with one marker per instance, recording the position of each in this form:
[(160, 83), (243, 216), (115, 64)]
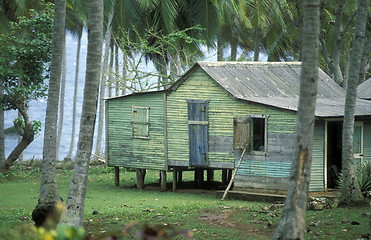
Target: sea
[(37, 108)]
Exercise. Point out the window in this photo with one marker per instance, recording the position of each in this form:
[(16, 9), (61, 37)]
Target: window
[(140, 122), (250, 133), (241, 133), (259, 133)]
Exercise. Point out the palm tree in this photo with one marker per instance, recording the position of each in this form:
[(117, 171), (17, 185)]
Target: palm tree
[(2, 142), (292, 224), (350, 191), (75, 203), (48, 186), (61, 101), (102, 88), (76, 19)]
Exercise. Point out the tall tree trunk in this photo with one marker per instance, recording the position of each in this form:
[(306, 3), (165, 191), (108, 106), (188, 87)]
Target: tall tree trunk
[(117, 72), (350, 191), (102, 88), (48, 184), (124, 74), (338, 76), (220, 54), (110, 70), (20, 156), (75, 203), (233, 50), (2, 134), (256, 44), (292, 224), (75, 91), (61, 102)]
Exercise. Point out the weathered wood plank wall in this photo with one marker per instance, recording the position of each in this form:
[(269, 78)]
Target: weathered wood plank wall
[(126, 151), (367, 141)]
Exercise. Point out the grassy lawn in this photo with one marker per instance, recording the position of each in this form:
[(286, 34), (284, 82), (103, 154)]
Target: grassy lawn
[(110, 210)]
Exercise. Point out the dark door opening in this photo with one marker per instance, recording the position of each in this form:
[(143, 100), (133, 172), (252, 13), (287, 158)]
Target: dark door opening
[(334, 148)]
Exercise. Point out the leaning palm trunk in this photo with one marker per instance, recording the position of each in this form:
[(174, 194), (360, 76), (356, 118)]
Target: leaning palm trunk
[(102, 88), (75, 90), (48, 186), (292, 224), (75, 203), (351, 191)]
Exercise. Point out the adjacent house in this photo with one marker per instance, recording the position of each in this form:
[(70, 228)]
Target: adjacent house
[(217, 109), (364, 90)]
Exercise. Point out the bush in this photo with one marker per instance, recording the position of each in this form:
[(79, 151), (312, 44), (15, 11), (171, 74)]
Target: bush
[(363, 177)]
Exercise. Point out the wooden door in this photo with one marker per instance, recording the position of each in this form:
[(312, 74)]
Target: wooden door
[(198, 132)]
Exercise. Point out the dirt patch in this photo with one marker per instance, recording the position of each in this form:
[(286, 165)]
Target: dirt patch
[(224, 219)]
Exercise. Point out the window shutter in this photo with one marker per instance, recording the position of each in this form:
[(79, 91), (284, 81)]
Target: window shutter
[(241, 133)]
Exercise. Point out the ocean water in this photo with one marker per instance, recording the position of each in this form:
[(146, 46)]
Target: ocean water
[(37, 108)]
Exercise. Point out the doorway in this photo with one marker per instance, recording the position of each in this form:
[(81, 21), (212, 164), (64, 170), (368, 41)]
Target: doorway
[(334, 149)]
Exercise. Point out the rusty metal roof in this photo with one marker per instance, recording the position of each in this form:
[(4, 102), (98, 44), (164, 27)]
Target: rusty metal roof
[(277, 84), (364, 89)]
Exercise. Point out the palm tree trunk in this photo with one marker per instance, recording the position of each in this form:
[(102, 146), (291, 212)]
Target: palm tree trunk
[(338, 76), (350, 191), (220, 54), (75, 91), (48, 185), (2, 135), (117, 73), (233, 50), (75, 203), (110, 71), (102, 89), (61, 102), (124, 73), (292, 224), (256, 44)]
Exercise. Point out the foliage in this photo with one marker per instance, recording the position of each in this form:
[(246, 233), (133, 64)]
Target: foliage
[(363, 176), (155, 43), (26, 53)]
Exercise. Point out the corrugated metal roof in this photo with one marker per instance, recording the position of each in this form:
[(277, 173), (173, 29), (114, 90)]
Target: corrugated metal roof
[(274, 84), (277, 84), (364, 89), (266, 79)]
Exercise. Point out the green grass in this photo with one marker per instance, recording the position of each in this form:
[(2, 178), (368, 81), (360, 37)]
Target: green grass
[(111, 209)]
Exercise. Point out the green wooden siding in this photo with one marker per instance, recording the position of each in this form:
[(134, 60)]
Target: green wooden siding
[(367, 142), (318, 156), (125, 150), (222, 109)]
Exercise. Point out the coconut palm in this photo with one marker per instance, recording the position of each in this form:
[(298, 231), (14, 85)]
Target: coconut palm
[(292, 224), (76, 19), (351, 191), (75, 202), (48, 187)]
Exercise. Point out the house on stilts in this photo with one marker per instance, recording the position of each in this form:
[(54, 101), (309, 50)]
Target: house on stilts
[(216, 110)]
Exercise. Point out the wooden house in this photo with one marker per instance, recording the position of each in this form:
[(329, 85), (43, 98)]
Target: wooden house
[(217, 109)]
